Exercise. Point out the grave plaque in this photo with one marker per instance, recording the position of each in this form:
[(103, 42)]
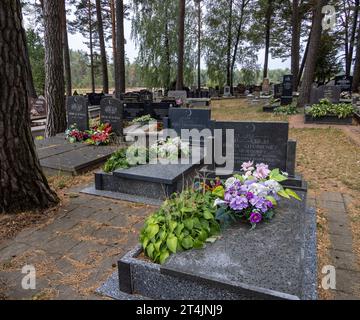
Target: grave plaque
[(180, 118), (77, 112), (287, 90), (38, 107), (110, 112), (261, 142), (344, 82)]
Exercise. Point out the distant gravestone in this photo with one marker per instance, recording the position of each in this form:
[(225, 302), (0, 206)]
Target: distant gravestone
[(261, 142), (38, 107), (278, 91), (344, 82), (95, 98), (266, 86), (287, 90), (110, 112), (160, 110), (77, 112), (227, 91), (180, 118), (331, 93), (178, 95)]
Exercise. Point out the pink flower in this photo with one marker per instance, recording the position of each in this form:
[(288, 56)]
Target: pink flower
[(248, 166), (262, 171)]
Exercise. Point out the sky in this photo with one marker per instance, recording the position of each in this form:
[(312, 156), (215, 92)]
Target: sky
[(76, 42)]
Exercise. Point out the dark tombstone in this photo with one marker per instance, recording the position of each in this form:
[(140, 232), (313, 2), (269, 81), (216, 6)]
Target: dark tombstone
[(160, 110), (261, 142), (277, 90), (314, 95), (287, 90), (95, 98), (180, 118), (110, 112), (331, 93), (133, 110), (38, 107), (344, 82), (77, 112)]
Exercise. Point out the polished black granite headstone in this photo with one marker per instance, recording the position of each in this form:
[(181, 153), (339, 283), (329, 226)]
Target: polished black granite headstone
[(111, 112), (77, 112), (287, 90)]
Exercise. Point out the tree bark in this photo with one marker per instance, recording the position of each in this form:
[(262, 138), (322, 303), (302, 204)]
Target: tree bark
[(267, 37), (199, 46), (54, 68), (229, 41), (352, 38), (67, 65), (180, 64), (113, 31), (295, 43), (104, 66), (92, 69), (356, 80), (23, 185), (309, 72), (120, 53)]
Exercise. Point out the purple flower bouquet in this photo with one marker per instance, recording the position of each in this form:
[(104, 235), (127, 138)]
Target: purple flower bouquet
[(252, 196)]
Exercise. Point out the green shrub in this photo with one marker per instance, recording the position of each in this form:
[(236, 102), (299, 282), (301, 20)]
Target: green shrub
[(117, 161), (326, 108), (288, 110), (183, 222)]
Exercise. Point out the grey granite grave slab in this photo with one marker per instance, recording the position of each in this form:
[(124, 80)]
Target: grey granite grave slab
[(77, 161), (77, 112), (277, 260), (58, 148)]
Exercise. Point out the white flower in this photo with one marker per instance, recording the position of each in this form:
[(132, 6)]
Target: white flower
[(259, 189), (230, 182), (273, 186), (219, 202)]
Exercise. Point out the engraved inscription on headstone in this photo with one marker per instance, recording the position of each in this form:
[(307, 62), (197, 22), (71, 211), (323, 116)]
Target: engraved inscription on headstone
[(77, 112), (261, 142), (189, 119), (344, 82), (110, 112), (38, 107)]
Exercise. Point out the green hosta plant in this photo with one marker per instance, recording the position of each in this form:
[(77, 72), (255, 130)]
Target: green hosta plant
[(183, 222), (117, 161), (326, 108), (288, 110), (143, 120)]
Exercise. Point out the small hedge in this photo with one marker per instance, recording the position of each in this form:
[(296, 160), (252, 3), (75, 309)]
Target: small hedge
[(326, 108)]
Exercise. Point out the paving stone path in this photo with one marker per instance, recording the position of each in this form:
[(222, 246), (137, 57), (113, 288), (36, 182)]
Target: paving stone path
[(75, 252), (341, 251)]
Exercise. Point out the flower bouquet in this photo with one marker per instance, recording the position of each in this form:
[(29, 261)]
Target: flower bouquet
[(171, 149), (251, 196), (73, 134), (98, 135)]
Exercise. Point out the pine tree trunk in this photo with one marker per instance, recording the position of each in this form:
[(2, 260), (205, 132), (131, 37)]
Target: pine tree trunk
[(180, 64), (199, 46), (92, 68), (23, 186), (229, 41), (267, 37), (66, 50), (352, 38), (120, 48), (295, 43), (309, 72), (54, 68), (113, 31), (356, 80), (102, 48)]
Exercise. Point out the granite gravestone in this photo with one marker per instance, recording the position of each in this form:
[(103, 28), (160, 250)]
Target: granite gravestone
[(178, 95), (160, 110), (180, 118), (266, 86), (278, 90), (331, 93), (287, 90), (111, 112), (227, 91), (38, 107), (344, 82), (77, 112), (261, 142)]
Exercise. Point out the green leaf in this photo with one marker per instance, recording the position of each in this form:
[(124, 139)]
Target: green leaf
[(189, 224), (293, 194), (163, 256), (145, 242), (171, 243), (150, 250), (152, 230), (272, 200), (187, 243), (283, 194), (219, 192), (172, 225), (198, 244), (180, 227), (208, 215)]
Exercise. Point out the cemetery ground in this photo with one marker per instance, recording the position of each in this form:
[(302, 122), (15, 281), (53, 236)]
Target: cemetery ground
[(76, 245)]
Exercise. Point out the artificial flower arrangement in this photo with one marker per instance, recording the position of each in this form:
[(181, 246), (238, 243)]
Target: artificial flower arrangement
[(170, 148), (143, 120), (98, 135), (251, 196)]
